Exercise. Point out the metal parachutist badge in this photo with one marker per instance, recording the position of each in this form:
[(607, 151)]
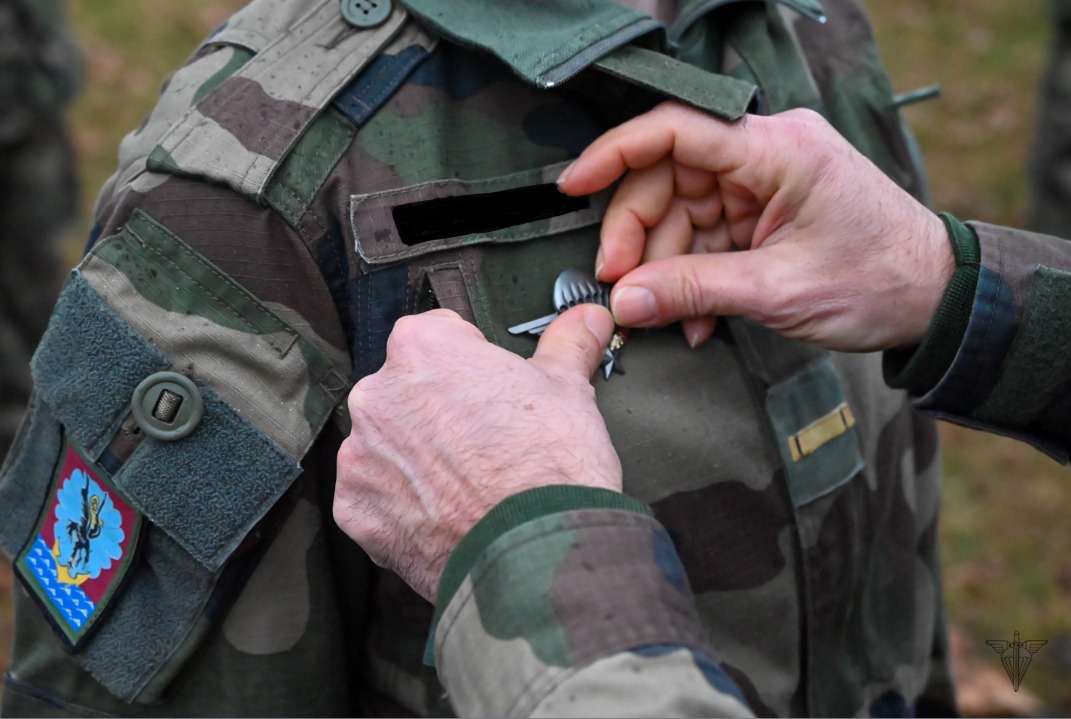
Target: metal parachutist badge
[(574, 287)]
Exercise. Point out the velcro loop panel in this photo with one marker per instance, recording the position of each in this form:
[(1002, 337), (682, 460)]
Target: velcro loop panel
[(88, 364), (1021, 393), (725, 97)]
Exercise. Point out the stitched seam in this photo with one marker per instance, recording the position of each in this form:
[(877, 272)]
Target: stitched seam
[(269, 319), (581, 218)]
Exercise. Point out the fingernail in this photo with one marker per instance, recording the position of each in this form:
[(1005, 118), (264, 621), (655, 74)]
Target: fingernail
[(600, 323), (565, 173), (693, 339), (634, 306), (599, 264)]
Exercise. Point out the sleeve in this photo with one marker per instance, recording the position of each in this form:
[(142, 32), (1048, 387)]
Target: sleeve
[(571, 601), (1010, 370)]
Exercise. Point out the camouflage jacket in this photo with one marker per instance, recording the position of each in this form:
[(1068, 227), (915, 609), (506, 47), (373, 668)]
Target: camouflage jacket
[(1009, 375), (305, 181)]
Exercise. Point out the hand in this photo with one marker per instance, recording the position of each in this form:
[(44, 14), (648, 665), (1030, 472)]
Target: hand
[(452, 425), (837, 253)]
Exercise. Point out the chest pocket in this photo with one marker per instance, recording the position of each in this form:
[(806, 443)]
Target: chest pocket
[(487, 249)]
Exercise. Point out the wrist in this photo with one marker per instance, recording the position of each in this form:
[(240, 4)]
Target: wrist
[(919, 368), (937, 259)]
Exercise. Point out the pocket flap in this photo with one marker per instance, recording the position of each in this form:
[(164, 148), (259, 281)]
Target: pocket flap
[(207, 490), (379, 220), (144, 302), (815, 431)]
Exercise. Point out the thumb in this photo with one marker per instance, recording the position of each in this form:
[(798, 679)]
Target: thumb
[(573, 344), (687, 286)]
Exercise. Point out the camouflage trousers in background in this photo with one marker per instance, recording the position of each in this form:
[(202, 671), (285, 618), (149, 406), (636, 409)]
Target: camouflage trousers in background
[(1051, 162), (37, 195)]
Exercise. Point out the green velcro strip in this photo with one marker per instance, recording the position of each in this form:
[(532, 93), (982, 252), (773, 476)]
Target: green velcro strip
[(1022, 393), (511, 513), (722, 96), (919, 369)]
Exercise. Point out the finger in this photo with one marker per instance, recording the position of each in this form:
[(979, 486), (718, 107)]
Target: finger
[(697, 330), (713, 239), (639, 203), (673, 236), (692, 286), (572, 345), (693, 183), (691, 138)]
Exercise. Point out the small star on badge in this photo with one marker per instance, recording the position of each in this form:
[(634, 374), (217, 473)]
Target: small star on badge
[(574, 287)]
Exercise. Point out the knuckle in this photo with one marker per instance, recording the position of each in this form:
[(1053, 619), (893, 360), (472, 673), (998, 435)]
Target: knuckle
[(692, 293)]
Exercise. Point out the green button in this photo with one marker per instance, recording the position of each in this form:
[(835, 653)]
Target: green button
[(167, 406), (366, 13)]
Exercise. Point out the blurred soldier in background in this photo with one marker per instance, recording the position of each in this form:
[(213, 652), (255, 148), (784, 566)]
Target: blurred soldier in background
[(39, 75), (1051, 170)]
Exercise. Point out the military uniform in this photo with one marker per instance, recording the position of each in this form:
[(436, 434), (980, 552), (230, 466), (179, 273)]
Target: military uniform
[(309, 177), (1051, 162), (39, 75), (553, 566)]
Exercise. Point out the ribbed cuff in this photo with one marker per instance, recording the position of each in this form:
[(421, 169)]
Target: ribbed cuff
[(919, 369), (511, 513)]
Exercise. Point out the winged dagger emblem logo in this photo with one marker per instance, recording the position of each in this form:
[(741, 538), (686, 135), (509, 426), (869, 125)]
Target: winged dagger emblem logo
[(574, 287), (1016, 655)]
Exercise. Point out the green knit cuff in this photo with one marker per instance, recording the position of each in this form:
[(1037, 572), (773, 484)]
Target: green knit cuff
[(919, 369), (511, 513)]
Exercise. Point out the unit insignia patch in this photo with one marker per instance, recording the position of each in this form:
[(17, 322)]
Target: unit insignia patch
[(86, 539)]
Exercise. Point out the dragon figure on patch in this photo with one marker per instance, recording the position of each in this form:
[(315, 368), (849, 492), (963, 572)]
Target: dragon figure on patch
[(85, 539), (92, 523)]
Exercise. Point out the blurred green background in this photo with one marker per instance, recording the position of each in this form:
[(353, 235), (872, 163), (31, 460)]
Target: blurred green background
[(1006, 533)]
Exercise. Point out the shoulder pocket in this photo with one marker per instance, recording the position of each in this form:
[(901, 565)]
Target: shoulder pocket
[(144, 309)]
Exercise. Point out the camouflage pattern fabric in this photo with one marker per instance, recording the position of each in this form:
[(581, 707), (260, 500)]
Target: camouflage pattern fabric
[(1010, 375), (39, 75), (245, 244), (1051, 161), (561, 608)]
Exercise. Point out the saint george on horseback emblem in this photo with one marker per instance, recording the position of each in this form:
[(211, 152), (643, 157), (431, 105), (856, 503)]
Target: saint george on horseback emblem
[(86, 539), (89, 532)]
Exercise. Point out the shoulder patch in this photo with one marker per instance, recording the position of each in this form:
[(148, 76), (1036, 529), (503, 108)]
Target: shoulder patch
[(86, 539)]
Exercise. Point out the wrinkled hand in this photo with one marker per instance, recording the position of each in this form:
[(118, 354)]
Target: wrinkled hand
[(839, 255), (452, 425)]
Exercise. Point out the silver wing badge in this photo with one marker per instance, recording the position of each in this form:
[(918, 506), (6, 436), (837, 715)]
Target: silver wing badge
[(574, 287)]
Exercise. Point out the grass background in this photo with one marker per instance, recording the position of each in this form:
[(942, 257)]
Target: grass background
[(1005, 534)]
